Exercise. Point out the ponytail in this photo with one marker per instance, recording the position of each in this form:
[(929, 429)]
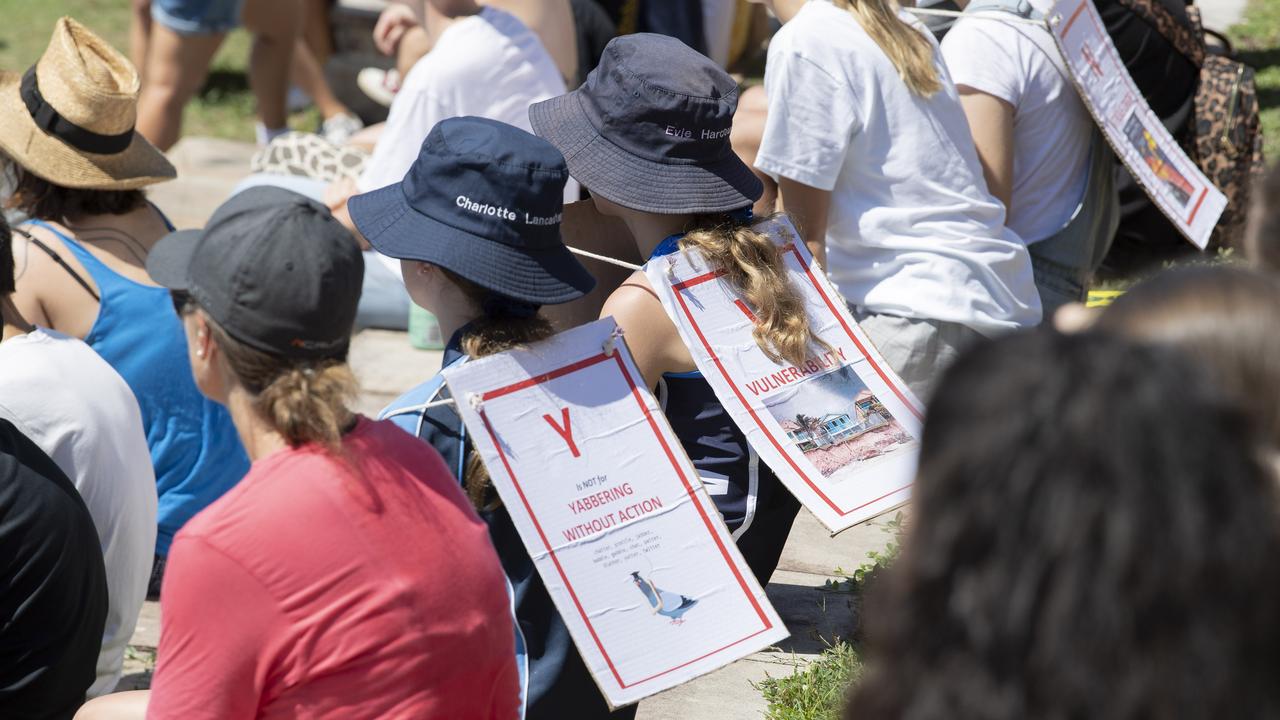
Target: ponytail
[(305, 401), (909, 50), (505, 324), (752, 264)]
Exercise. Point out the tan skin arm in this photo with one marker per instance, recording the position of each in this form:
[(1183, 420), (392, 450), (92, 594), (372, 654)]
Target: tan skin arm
[(808, 207), (653, 340), (991, 123), (30, 274)]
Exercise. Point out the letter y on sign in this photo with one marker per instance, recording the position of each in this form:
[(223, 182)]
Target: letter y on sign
[(564, 430)]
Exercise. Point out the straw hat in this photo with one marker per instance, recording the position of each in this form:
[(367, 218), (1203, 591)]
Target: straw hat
[(69, 119)]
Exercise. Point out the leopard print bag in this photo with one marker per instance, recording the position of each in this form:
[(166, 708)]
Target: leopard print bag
[(1225, 138)]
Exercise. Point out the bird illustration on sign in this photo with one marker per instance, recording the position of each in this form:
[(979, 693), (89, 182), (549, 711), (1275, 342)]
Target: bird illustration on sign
[(663, 602)]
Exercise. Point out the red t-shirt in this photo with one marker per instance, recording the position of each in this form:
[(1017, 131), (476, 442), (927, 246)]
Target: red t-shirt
[(320, 587)]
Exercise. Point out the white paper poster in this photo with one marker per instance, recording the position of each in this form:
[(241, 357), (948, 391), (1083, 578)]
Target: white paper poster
[(627, 542), (841, 430), (1171, 179)]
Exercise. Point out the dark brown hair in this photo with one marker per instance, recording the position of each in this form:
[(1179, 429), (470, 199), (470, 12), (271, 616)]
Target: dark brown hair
[(44, 200), (8, 281), (1093, 537), (1262, 241), (493, 332), (1226, 319)]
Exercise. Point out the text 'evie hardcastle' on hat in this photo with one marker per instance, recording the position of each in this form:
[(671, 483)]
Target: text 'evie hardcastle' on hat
[(483, 200), (649, 130), (70, 118), (273, 269)]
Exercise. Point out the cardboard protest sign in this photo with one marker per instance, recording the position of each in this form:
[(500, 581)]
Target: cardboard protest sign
[(1171, 179), (627, 542), (840, 430)]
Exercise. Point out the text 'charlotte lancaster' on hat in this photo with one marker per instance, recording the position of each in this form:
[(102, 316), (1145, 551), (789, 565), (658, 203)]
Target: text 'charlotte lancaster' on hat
[(70, 118), (649, 130), (483, 200), (273, 269)]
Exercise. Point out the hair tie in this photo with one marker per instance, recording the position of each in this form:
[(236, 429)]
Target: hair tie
[(496, 305)]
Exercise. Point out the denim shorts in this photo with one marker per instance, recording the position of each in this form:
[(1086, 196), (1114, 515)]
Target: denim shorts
[(197, 17)]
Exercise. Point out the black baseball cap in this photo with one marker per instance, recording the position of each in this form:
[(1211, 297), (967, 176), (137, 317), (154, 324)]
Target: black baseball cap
[(649, 129), (484, 200), (273, 269)]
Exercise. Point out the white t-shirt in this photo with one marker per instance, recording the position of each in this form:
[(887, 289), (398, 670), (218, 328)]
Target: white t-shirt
[(1020, 64), (488, 65), (59, 393), (912, 229)]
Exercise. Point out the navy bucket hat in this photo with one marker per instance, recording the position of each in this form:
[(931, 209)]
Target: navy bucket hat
[(483, 200), (649, 130)]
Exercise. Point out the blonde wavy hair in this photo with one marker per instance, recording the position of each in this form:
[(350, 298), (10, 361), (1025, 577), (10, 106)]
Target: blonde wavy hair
[(909, 50), (752, 264)]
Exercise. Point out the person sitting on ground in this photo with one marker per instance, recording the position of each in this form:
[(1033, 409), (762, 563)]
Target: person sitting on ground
[(53, 587), (80, 261), (485, 281), (80, 412), (868, 142), (484, 63), (1225, 318), (181, 43), (347, 575), (1093, 536), (685, 191), (1041, 155)]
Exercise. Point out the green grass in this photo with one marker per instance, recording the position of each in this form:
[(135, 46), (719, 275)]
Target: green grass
[(223, 109), (818, 691), (1257, 40)]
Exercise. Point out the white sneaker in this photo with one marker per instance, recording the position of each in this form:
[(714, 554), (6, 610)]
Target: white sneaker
[(380, 85), (339, 128)]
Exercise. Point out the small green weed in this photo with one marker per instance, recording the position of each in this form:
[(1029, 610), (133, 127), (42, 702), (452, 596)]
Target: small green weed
[(816, 692)]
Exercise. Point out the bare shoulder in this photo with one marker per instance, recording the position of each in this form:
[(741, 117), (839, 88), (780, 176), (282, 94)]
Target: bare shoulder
[(652, 338)]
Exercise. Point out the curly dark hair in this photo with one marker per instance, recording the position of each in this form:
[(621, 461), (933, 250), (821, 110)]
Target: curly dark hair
[(1093, 537), (7, 280)]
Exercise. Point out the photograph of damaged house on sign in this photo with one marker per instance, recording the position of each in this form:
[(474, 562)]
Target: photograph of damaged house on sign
[(838, 423)]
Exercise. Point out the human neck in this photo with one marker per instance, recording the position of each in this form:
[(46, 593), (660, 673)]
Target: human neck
[(439, 15), (257, 436), (649, 229), (15, 324), (786, 9)]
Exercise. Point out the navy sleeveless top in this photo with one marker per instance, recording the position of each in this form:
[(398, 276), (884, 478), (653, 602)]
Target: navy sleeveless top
[(754, 504), (195, 450)]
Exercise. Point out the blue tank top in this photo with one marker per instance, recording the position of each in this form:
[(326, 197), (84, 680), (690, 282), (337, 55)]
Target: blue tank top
[(195, 450)]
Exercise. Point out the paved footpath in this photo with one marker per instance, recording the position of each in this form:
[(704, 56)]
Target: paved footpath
[(386, 365)]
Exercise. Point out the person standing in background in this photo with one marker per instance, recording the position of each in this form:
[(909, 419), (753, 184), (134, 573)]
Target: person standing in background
[(183, 37), (1041, 155), (869, 144)]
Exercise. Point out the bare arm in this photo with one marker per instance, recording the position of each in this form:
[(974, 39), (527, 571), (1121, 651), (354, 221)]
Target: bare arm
[(654, 342), (808, 207), (991, 124), (336, 196)]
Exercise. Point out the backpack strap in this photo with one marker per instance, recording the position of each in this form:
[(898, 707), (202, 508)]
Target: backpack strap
[(1186, 38), (60, 261)]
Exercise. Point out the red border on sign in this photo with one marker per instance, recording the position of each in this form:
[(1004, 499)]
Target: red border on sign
[(675, 464), (791, 248)]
